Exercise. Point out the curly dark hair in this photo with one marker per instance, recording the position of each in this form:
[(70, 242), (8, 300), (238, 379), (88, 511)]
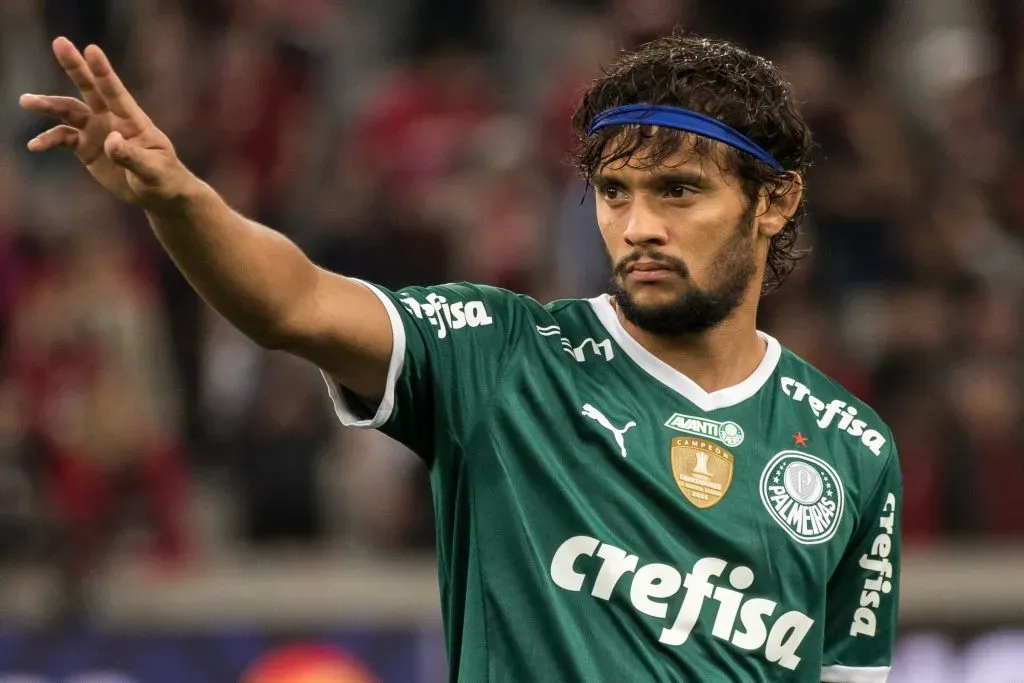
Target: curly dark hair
[(718, 79)]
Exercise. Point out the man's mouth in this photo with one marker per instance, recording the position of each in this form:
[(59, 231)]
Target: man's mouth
[(646, 270)]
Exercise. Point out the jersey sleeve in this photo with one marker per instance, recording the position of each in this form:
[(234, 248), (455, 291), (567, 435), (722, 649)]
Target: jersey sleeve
[(862, 597), (452, 345)]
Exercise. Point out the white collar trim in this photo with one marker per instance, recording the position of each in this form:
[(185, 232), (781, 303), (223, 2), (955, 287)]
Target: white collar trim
[(677, 381)]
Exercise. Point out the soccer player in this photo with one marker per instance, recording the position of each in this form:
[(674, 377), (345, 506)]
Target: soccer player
[(636, 487)]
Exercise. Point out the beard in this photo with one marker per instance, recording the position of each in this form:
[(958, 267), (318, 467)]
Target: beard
[(694, 310)]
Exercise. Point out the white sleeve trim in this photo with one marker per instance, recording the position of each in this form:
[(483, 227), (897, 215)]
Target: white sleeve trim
[(342, 408), (854, 674)]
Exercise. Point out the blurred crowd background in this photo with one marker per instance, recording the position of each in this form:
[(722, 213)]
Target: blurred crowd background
[(424, 141)]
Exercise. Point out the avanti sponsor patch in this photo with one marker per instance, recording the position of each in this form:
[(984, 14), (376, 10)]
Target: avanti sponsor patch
[(728, 433)]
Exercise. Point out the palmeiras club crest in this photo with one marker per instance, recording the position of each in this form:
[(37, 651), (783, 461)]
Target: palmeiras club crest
[(804, 494)]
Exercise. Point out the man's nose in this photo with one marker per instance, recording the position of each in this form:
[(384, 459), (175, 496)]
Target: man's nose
[(645, 226)]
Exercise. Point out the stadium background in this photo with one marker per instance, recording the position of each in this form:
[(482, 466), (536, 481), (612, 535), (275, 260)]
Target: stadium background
[(175, 502)]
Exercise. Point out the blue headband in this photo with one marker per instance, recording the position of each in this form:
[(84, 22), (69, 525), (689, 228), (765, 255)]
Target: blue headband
[(681, 119)]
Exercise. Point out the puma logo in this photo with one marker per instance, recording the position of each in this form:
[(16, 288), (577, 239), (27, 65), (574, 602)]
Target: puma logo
[(619, 434)]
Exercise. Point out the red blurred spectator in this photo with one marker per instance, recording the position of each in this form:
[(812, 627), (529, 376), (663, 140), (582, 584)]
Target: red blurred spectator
[(419, 128), (12, 264), (88, 351), (589, 48), (256, 113)]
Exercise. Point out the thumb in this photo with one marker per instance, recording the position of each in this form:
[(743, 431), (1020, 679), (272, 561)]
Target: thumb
[(130, 156)]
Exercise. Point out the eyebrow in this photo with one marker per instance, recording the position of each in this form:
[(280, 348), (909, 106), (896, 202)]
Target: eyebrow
[(657, 179)]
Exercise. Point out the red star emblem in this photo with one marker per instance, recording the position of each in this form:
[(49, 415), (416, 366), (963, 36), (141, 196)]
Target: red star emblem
[(799, 439)]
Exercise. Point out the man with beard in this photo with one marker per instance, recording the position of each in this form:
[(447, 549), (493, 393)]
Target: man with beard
[(639, 486)]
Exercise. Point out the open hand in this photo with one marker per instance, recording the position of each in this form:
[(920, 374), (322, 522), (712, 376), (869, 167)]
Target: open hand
[(108, 131)]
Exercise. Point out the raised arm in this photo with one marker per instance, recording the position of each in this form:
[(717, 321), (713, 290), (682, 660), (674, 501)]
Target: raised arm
[(254, 276)]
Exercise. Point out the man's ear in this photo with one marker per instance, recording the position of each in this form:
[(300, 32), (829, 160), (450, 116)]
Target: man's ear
[(778, 207)]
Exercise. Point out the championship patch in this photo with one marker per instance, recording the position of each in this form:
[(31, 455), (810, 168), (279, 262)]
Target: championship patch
[(804, 495), (701, 469)]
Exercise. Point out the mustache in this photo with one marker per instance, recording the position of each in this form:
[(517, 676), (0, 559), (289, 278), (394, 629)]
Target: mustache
[(668, 262)]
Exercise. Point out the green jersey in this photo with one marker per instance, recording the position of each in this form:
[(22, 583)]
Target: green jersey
[(600, 517)]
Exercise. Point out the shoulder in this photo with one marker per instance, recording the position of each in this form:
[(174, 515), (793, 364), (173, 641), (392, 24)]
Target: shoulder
[(567, 309), (453, 292), (467, 304), (416, 298), (578, 325), (841, 428), (833, 407), (460, 304)]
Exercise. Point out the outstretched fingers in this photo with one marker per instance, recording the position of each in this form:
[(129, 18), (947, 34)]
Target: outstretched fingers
[(69, 110), (112, 90), (74, 65), (58, 136)]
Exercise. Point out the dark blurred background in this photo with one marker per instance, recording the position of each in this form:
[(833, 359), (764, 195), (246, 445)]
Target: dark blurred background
[(159, 471)]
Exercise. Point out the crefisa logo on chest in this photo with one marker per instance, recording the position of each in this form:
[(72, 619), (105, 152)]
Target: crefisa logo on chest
[(804, 494)]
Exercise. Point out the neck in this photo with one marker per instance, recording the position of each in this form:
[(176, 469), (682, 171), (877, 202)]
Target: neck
[(716, 359)]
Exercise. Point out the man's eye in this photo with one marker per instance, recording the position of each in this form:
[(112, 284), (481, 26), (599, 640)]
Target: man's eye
[(677, 191), (611, 193)]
